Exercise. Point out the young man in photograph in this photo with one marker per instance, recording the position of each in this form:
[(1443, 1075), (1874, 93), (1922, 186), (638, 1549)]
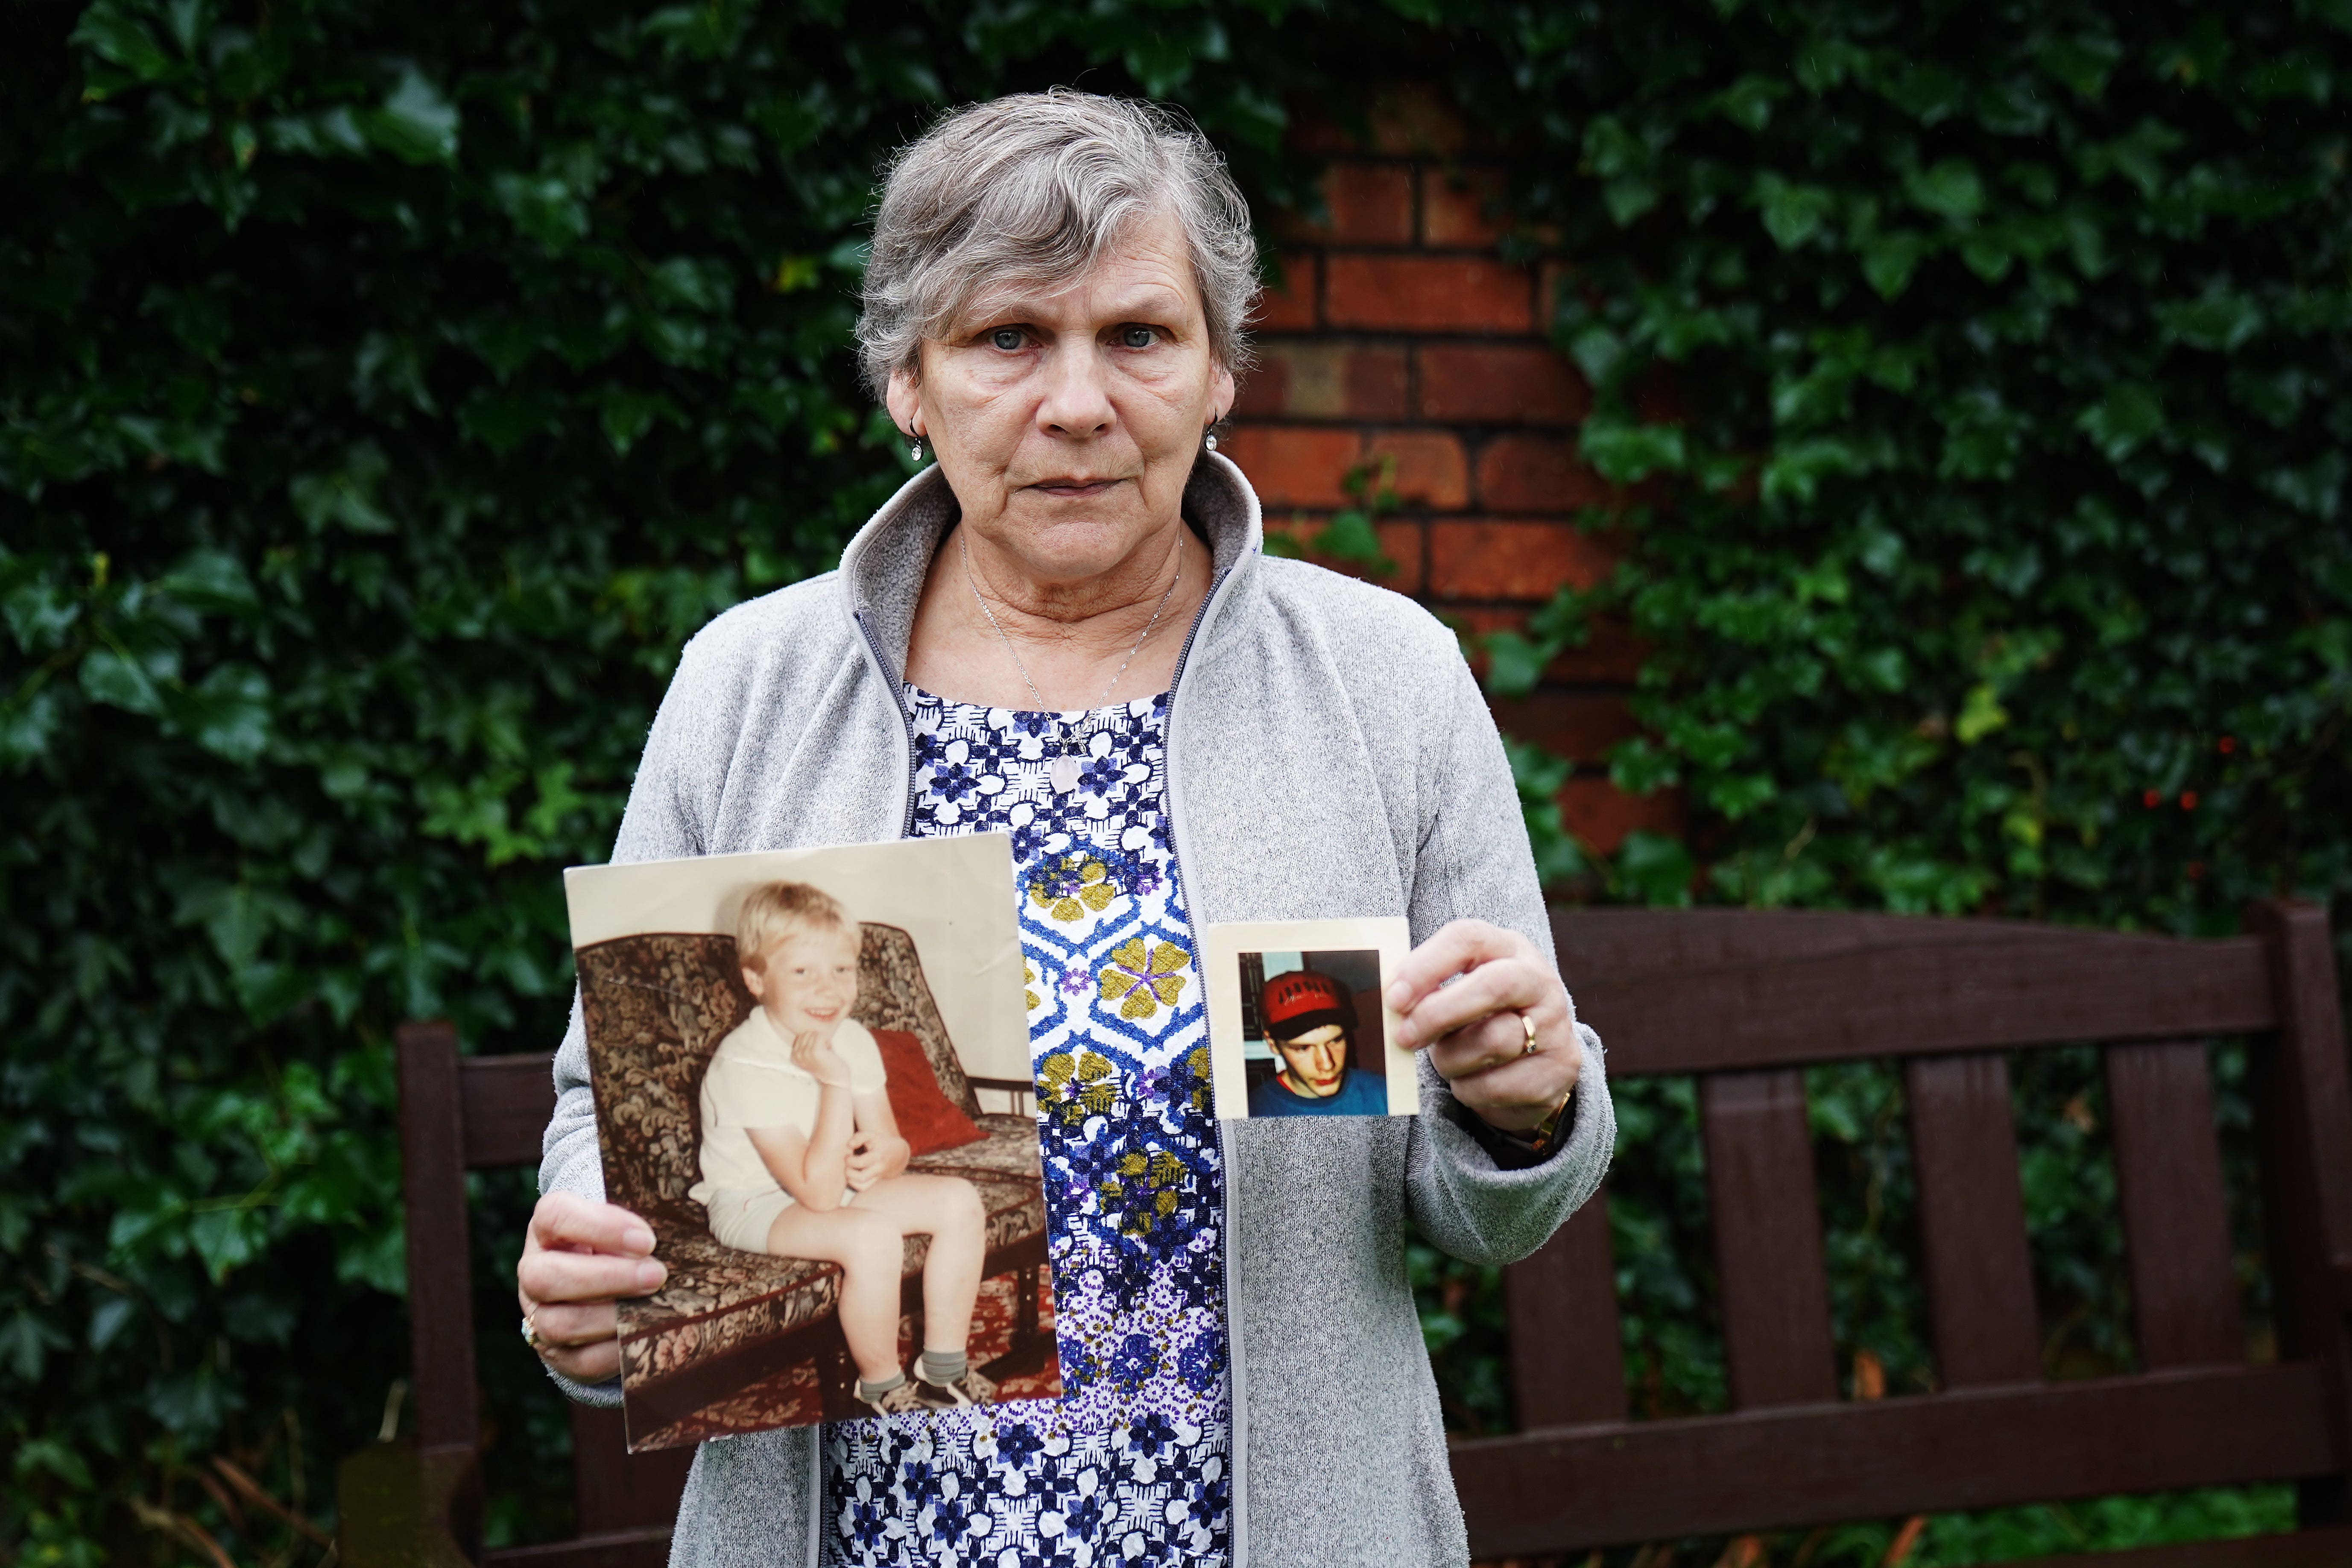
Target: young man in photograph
[(1310, 1020)]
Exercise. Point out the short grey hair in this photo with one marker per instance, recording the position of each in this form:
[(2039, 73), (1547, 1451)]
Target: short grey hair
[(1035, 188)]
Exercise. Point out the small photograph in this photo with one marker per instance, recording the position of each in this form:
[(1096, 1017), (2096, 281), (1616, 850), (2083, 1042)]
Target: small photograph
[(813, 1081), (1297, 1024)]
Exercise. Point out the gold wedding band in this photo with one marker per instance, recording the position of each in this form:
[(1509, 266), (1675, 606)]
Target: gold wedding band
[(1528, 1024), (531, 1332)]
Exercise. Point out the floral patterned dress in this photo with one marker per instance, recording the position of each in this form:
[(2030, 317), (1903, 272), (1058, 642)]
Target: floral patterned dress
[(1132, 1464)]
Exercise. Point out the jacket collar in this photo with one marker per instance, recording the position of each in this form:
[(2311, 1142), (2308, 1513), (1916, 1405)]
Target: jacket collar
[(883, 567)]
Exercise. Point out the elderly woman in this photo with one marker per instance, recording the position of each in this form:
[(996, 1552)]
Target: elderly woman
[(1067, 629)]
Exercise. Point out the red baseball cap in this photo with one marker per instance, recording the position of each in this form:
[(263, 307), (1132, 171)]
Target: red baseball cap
[(1293, 1004)]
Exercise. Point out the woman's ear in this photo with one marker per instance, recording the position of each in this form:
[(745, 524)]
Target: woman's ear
[(905, 400), (1221, 396)]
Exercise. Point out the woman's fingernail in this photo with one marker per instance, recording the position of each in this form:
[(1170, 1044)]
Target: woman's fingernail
[(1399, 994), (649, 1275), (637, 1239)]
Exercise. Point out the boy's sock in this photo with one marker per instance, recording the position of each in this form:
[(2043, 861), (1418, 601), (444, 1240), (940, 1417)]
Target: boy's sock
[(942, 1367), (876, 1390)]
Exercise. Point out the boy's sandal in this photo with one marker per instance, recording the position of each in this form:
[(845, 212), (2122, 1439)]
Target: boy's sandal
[(971, 1388), (901, 1400)]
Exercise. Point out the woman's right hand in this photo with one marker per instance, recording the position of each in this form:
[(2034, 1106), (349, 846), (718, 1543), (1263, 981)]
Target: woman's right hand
[(578, 1257)]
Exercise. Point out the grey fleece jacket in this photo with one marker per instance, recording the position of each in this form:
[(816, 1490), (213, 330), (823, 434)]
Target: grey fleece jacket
[(1328, 755)]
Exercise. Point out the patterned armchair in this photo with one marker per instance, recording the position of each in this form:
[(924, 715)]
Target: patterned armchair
[(657, 1005)]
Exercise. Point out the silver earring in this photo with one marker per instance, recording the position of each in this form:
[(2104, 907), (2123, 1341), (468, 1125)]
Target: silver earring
[(915, 449), (1210, 442)]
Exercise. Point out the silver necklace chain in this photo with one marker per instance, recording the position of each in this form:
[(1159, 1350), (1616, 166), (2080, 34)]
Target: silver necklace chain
[(1061, 774)]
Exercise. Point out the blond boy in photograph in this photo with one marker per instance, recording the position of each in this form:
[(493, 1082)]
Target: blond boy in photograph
[(801, 1156)]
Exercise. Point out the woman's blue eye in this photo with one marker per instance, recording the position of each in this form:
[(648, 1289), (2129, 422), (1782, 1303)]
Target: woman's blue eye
[(1006, 338), (1137, 337)]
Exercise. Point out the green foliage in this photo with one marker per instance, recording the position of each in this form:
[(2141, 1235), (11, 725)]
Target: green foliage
[(1972, 368), (385, 394), (1974, 365)]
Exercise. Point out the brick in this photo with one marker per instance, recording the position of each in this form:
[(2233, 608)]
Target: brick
[(1601, 814), (1400, 541), (1461, 207), (1427, 293), (1482, 559), (1405, 118), (1431, 470), (1368, 203), (1290, 308), (1314, 380), (1515, 383), (1577, 725), (1290, 466), (1537, 473)]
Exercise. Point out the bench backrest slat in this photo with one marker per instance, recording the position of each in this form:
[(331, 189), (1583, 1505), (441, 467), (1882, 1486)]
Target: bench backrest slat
[(2175, 1212), (440, 1272), (1768, 1238), (1720, 997), (508, 1103), (470, 1113), (1562, 1307), (1980, 1302)]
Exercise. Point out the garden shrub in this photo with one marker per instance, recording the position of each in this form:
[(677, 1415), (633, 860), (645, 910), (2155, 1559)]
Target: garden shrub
[(385, 394)]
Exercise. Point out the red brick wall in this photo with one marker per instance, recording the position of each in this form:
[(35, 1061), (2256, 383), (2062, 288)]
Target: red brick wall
[(1400, 331)]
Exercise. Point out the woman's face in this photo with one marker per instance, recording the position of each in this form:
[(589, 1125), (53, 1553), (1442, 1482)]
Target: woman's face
[(1066, 420)]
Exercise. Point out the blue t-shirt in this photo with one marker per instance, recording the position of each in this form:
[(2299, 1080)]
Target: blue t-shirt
[(1361, 1094)]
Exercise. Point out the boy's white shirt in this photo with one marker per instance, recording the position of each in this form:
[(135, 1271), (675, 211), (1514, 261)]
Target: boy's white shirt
[(752, 1083)]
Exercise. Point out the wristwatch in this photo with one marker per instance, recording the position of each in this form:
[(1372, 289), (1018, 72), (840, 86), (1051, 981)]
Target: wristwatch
[(1537, 1143)]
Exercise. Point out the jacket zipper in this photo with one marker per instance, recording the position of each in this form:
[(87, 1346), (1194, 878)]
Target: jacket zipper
[(905, 722), (1235, 1380)]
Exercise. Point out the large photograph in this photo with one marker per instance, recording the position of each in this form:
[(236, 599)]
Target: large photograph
[(1297, 1025), (813, 1081)]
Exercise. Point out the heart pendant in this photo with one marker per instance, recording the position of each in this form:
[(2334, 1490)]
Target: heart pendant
[(1064, 773)]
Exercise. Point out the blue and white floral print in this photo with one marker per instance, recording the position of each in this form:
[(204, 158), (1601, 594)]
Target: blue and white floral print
[(1132, 1465)]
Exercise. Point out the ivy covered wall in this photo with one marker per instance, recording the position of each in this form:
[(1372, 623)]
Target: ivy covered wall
[(385, 394)]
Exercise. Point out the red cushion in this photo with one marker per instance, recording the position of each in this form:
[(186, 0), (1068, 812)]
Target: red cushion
[(927, 1120)]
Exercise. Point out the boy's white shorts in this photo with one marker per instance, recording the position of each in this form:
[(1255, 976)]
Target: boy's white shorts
[(741, 1216)]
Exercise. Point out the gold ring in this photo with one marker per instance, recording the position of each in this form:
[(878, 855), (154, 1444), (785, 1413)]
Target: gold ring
[(531, 1332), (1528, 1024)]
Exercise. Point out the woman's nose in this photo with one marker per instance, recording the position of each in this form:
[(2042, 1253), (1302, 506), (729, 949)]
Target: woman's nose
[(1077, 396)]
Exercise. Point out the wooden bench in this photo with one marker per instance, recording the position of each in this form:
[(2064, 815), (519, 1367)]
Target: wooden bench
[(464, 1114), (1745, 1001)]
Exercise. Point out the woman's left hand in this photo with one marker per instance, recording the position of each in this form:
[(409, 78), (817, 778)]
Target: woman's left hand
[(1471, 1028)]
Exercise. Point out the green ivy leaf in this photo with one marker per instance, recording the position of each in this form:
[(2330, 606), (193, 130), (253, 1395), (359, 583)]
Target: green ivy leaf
[(544, 206), (108, 30), (1654, 869), (1951, 189), (1514, 663), (2221, 321), (1980, 714), (1890, 257), (2128, 414), (1792, 212), (120, 681), (416, 124), (1626, 453)]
